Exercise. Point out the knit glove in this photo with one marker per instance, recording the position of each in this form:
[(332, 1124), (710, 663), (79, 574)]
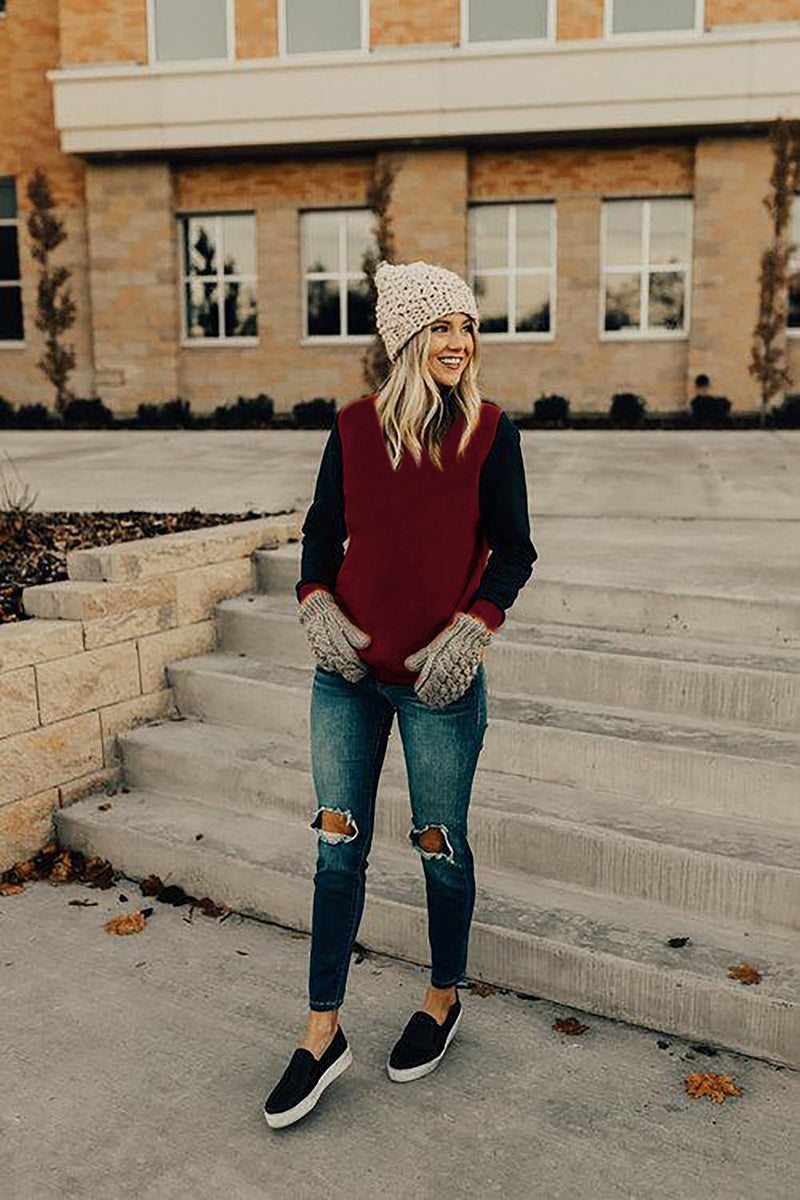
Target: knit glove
[(332, 637), (450, 662)]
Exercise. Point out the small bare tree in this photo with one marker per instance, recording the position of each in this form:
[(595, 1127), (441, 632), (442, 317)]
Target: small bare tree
[(768, 363), (374, 361), (55, 308)]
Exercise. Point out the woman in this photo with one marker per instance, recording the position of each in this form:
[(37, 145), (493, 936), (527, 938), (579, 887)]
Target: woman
[(424, 478)]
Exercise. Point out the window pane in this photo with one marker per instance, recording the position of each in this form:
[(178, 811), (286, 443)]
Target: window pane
[(623, 233), (622, 301), (666, 300), (199, 248), (190, 29), (322, 25), (11, 314), (321, 232), (493, 22), (647, 16), (9, 253), (489, 241), (240, 310), (359, 237), (491, 292), (533, 303), (202, 309), (239, 244), (793, 318), (323, 307), (533, 235), (358, 306), (669, 228), (8, 197)]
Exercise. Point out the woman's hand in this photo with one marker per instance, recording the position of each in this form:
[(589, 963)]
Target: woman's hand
[(450, 662), (332, 637)]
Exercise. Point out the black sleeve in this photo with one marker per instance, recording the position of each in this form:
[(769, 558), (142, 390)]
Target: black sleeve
[(503, 499), (324, 529)]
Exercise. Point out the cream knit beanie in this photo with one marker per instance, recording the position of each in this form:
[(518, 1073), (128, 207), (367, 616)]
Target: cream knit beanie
[(411, 295)]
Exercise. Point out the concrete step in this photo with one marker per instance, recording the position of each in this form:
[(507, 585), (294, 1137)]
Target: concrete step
[(681, 613), (723, 868), (704, 766), (739, 683), (603, 956)]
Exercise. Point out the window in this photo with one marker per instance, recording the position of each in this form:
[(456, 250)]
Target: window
[(336, 296), (793, 315), (322, 26), (653, 16), (488, 21), (10, 279), (218, 276), (646, 252), (512, 267), (188, 29)]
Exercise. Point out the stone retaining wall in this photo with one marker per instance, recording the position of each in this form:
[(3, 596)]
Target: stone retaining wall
[(90, 664)]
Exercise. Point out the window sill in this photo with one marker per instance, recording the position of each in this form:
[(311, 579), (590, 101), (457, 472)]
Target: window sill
[(218, 343), (649, 335), (9, 345), (356, 339), (517, 337)]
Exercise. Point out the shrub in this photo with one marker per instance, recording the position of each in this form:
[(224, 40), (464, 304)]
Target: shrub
[(787, 414), (627, 409), (172, 414), (710, 410), (6, 413), (246, 413), (314, 414), (88, 414), (34, 416), (551, 409)]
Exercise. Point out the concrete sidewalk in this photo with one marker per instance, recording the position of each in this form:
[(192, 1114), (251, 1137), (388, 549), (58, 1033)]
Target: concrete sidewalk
[(137, 1067)]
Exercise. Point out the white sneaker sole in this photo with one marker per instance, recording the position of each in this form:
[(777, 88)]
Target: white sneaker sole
[(406, 1074), (290, 1115)]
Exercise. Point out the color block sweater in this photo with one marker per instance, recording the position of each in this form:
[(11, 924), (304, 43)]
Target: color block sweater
[(419, 538)]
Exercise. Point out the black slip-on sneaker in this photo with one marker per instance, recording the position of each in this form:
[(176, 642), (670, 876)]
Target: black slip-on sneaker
[(421, 1046), (304, 1081)]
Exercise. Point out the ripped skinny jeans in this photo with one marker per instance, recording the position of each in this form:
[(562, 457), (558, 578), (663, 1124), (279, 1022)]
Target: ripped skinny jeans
[(350, 727)]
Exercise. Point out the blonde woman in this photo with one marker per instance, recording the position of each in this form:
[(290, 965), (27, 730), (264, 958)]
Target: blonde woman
[(425, 478)]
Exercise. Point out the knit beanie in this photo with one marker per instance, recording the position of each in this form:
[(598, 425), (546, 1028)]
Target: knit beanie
[(411, 295)]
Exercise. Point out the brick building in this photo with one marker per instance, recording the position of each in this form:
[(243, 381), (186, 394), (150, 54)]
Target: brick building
[(595, 168)]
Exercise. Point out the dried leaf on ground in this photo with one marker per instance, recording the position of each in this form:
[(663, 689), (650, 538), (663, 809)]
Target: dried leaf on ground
[(11, 889), (715, 1087), (480, 988), (569, 1025), (746, 973), (126, 923), (83, 903)]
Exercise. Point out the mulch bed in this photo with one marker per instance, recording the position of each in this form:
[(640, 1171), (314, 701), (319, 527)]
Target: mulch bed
[(34, 546)]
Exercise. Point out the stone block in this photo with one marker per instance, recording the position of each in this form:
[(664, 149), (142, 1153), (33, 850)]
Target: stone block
[(160, 649), (47, 756), (199, 589), (26, 826), (24, 643), (18, 707), (116, 718), (86, 681)]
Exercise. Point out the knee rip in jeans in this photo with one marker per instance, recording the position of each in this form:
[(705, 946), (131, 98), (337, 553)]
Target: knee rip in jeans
[(334, 824), (432, 841)]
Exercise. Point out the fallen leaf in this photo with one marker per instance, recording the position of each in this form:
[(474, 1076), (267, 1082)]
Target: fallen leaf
[(745, 973), (83, 903), (480, 988), (678, 941), (715, 1087), (11, 889), (151, 886), (126, 923), (209, 908), (245, 952), (569, 1025), (104, 807)]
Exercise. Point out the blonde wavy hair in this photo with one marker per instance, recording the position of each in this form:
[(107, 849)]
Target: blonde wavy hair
[(410, 408)]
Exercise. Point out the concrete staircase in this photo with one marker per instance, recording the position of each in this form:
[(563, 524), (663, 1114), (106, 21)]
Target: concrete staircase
[(640, 782)]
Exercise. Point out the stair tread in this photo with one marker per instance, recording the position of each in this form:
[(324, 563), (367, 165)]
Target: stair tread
[(688, 733), (584, 638), (768, 843), (516, 904)]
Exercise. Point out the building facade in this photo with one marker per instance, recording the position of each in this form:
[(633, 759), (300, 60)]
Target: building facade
[(595, 169)]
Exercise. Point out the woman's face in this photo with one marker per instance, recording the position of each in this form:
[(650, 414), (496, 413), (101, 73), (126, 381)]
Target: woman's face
[(452, 345)]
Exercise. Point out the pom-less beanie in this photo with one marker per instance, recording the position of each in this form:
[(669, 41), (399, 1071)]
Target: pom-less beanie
[(411, 295)]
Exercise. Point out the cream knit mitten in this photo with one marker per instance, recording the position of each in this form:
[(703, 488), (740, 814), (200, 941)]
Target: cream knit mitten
[(450, 662), (332, 637)]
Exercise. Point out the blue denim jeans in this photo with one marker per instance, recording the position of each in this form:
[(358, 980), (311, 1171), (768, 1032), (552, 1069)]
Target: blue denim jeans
[(350, 725)]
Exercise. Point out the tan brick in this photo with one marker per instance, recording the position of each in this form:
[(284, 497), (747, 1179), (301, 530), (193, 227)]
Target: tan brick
[(116, 718), (24, 643), (25, 826), (18, 707), (49, 756), (86, 681), (160, 649), (80, 600), (201, 588), (123, 627)]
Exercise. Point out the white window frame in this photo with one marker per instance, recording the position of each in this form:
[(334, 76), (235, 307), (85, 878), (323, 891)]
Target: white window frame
[(505, 43), (657, 34), (512, 271), (220, 278), (322, 55), (794, 264), (179, 64), (14, 343), (645, 268), (342, 275)]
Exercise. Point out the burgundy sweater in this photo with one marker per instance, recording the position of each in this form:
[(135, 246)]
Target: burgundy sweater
[(419, 538)]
